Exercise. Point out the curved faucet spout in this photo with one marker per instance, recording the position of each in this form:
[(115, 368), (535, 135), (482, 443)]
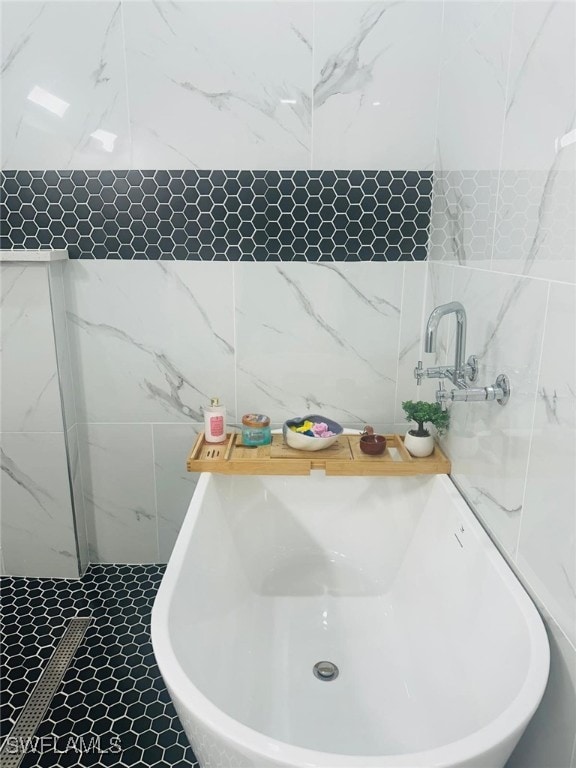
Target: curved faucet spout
[(453, 307), (462, 371)]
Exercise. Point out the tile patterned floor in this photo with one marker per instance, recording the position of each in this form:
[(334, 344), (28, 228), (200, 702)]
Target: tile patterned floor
[(112, 708)]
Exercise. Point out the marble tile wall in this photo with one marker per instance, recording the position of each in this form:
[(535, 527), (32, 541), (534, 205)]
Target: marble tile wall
[(376, 67), (37, 525), (281, 339), (503, 242), (247, 85), (64, 94), (187, 60)]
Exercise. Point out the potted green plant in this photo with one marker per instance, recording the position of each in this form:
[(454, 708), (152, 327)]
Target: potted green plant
[(419, 442)]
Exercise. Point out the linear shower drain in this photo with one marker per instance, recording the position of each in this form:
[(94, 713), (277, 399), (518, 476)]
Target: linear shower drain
[(326, 670), (13, 749)]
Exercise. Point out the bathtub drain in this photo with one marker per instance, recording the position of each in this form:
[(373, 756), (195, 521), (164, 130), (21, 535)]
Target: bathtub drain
[(325, 670)]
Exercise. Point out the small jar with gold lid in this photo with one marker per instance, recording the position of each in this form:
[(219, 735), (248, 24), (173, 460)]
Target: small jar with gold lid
[(256, 429)]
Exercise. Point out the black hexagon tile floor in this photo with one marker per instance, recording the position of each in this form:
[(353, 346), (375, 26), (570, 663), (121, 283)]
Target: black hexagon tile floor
[(112, 708)]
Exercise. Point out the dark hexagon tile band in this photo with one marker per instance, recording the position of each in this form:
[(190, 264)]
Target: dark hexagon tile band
[(219, 215)]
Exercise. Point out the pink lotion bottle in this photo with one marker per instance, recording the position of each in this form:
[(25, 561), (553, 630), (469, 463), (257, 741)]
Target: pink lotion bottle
[(215, 422)]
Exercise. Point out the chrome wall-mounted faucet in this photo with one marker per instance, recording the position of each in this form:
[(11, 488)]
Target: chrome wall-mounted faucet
[(460, 372)]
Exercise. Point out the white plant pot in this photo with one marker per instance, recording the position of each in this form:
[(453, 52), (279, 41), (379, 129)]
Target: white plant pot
[(419, 446)]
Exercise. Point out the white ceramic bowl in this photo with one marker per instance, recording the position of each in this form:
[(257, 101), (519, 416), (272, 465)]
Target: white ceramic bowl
[(306, 443)]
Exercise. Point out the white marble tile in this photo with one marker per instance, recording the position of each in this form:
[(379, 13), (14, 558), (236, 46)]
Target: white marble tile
[(220, 85), (475, 47), (118, 481), (410, 346), (488, 443), (73, 448), (63, 81), (547, 545), (541, 98), (37, 528), (549, 738), (174, 485), (30, 399), (462, 218), (61, 341), (151, 341), (375, 84), (320, 338), (536, 227)]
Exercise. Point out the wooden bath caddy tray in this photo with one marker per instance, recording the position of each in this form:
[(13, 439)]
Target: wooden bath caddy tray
[(342, 458)]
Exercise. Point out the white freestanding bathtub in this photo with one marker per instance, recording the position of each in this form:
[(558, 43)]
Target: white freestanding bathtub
[(442, 657)]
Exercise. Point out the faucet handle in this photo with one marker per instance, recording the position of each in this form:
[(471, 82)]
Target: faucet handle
[(419, 373), (472, 368), (442, 395)]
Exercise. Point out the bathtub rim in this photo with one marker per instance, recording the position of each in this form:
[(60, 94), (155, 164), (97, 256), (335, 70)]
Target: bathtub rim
[(508, 724)]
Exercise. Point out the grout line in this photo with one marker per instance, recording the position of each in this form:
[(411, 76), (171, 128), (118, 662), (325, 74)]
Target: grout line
[(136, 424), (423, 320), (71, 359), (420, 390), (573, 760), (28, 432), (492, 271), (125, 57), (423, 313), (313, 69), (430, 226), (235, 342), (435, 154), (494, 224), (400, 324), (451, 335), (83, 494), (52, 578), (537, 599), (503, 126), (155, 491), (533, 421)]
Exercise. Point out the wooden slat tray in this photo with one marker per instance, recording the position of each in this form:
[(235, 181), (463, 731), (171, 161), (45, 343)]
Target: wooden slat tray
[(342, 458)]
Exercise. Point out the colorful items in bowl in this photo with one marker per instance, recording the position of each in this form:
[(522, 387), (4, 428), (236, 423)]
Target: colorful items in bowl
[(311, 433)]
